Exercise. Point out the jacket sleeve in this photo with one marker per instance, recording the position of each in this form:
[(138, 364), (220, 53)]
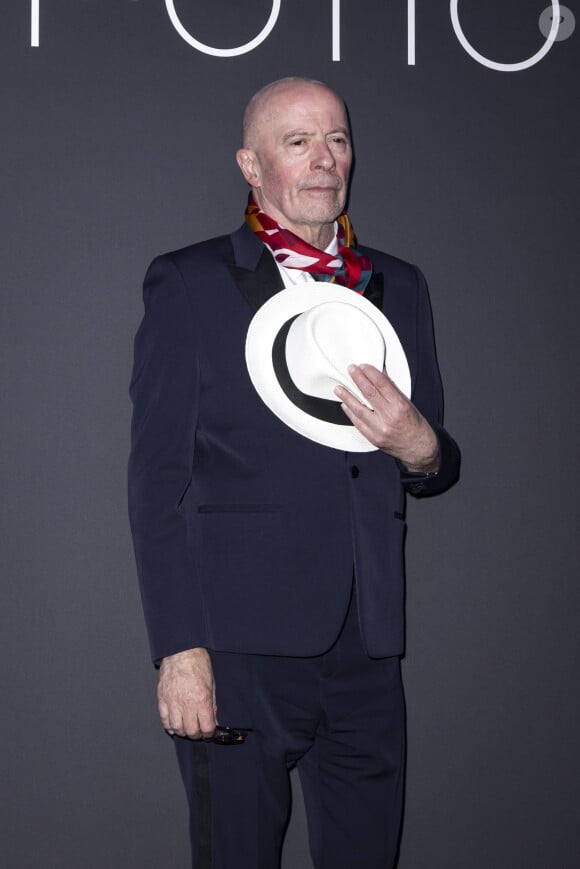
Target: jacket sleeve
[(428, 398), (165, 393)]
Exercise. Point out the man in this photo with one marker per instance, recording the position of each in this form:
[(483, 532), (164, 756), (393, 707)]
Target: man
[(271, 565)]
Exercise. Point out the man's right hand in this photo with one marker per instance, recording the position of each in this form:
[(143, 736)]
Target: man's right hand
[(186, 694)]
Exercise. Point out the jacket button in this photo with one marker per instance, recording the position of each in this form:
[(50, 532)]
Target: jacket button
[(354, 472)]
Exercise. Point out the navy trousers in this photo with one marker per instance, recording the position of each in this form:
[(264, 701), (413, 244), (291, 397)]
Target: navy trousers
[(340, 718)]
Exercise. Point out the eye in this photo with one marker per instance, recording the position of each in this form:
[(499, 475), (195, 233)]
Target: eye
[(297, 142)]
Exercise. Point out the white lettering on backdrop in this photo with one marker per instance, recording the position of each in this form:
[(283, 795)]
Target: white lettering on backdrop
[(336, 29), (506, 67), (35, 23), (335, 24), (411, 32), (224, 52)]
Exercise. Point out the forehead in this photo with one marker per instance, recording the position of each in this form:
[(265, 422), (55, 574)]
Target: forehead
[(305, 108)]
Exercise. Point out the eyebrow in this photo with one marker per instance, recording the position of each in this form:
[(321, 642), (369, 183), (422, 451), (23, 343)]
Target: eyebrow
[(294, 133)]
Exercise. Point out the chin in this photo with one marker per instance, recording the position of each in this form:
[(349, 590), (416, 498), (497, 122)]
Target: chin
[(323, 213)]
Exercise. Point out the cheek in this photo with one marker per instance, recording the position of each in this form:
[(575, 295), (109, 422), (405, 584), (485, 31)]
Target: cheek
[(286, 184), (278, 180), (345, 168)]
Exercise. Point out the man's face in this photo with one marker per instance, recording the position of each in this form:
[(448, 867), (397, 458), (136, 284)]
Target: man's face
[(300, 158)]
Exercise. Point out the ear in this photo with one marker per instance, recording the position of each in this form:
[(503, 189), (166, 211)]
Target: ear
[(249, 164)]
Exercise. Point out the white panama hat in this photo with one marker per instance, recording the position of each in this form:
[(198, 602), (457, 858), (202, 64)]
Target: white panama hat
[(298, 347)]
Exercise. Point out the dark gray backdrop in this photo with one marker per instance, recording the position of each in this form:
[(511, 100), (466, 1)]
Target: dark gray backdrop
[(117, 144)]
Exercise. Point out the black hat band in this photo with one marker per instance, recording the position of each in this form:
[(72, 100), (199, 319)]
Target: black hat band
[(321, 408)]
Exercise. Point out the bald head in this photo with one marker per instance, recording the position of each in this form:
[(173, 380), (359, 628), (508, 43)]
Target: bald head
[(266, 102)]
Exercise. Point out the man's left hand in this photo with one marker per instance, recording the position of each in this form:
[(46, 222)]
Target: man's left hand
[(394, 424)]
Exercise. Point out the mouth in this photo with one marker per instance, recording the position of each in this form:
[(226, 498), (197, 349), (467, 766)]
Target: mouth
[(321, 188)]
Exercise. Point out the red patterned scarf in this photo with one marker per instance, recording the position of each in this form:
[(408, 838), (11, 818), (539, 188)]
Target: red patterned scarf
[(349, 267)]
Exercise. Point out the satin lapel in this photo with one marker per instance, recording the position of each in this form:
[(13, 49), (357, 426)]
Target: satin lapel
[(254, 270), (259, 285), (374, 290), (396, 315)]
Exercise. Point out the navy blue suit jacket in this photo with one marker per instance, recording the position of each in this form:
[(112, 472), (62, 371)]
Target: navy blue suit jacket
[(245, 532)]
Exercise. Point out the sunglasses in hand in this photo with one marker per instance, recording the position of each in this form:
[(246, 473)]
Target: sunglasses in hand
[(229, 735), (224, 735)]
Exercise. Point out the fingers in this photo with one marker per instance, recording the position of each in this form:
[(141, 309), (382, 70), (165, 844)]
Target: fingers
[(376, 387), (191, 720), (198, 717), (360, 416), (374, 384), (164, 716), (186, 695), (207, 722), (390, 421)]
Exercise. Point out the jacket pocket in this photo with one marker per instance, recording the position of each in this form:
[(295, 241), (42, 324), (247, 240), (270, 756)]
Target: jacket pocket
[(239, 508)]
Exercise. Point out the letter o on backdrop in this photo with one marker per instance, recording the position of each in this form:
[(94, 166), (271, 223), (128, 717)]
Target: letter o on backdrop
[(224, 52), (506, 67)]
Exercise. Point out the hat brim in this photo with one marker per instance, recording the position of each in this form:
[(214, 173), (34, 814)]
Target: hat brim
[(262, 332)]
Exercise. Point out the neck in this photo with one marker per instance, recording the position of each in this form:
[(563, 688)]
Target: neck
[(318, 236)]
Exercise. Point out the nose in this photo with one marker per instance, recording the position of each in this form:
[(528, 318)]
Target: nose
[(322, 157)]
